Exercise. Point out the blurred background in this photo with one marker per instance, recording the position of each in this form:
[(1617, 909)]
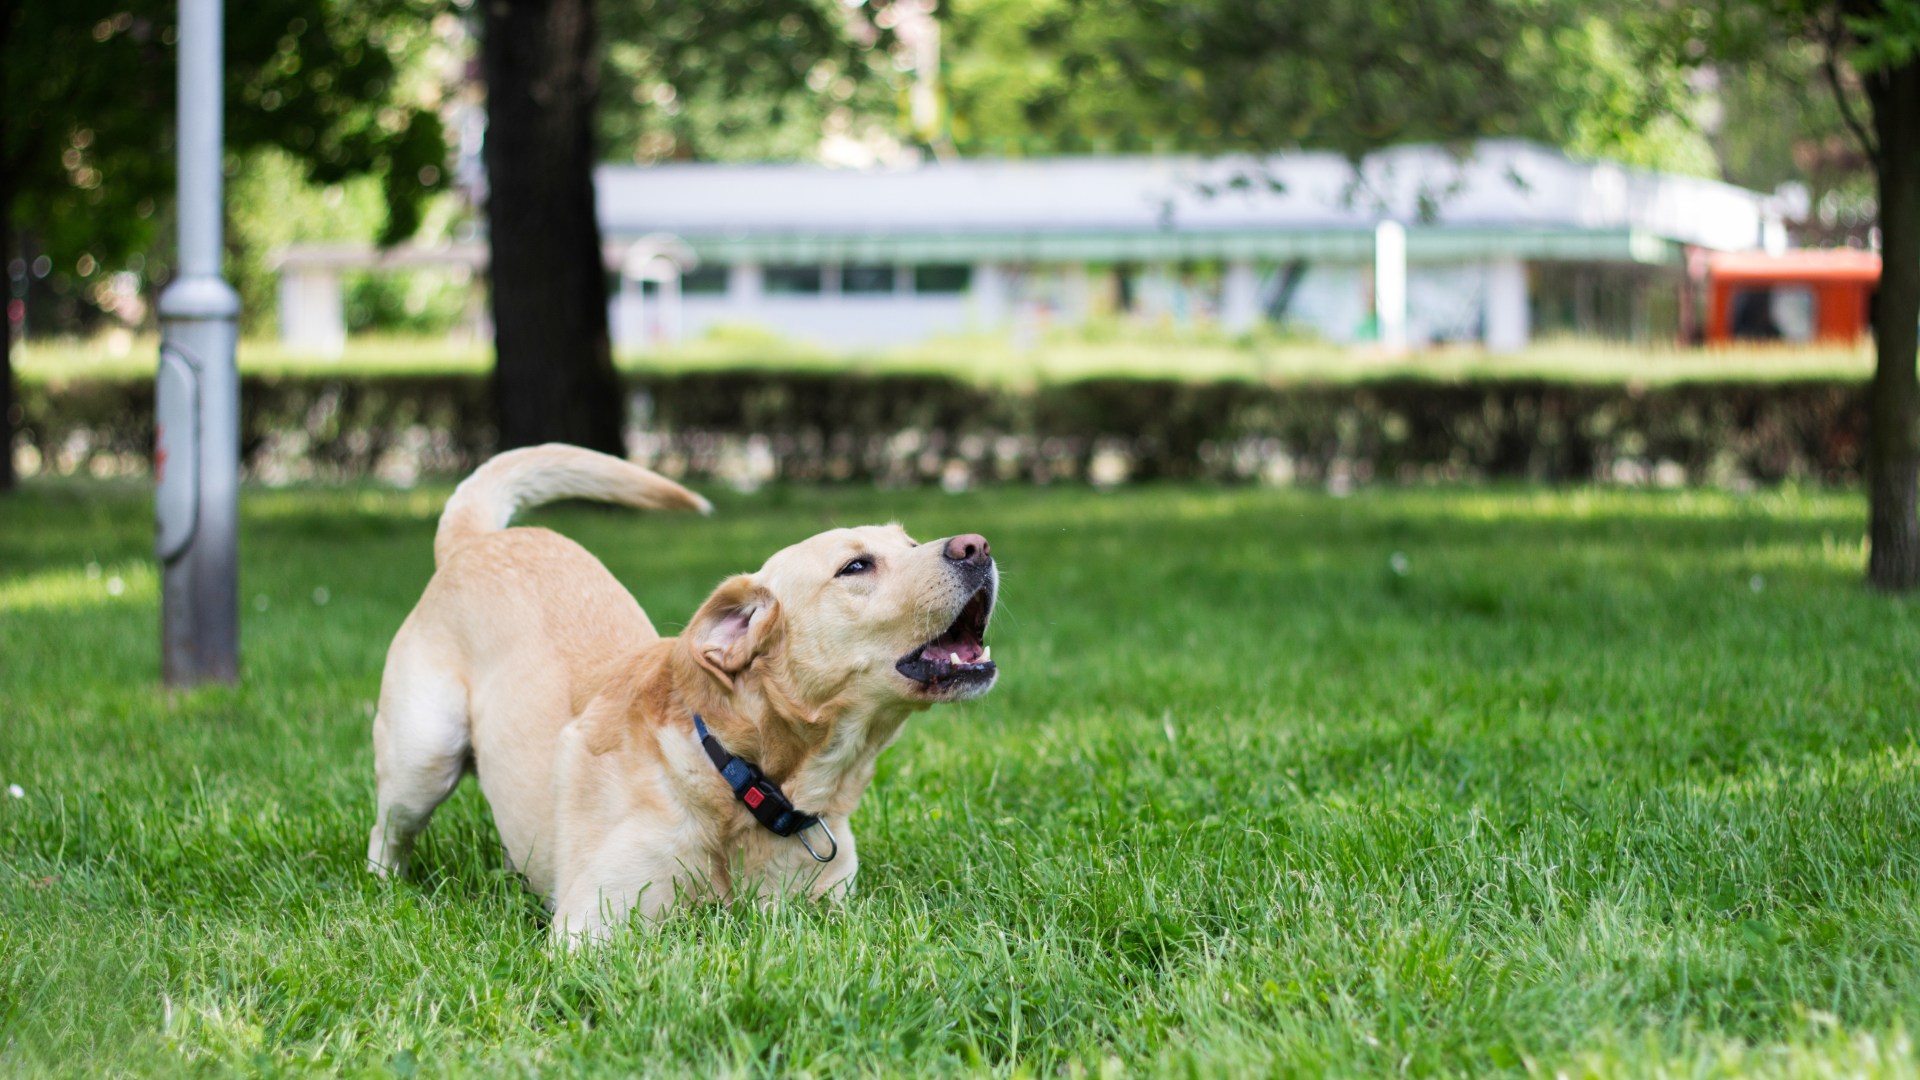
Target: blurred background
[(962, 241)]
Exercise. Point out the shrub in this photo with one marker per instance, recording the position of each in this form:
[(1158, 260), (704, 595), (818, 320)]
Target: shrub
[(751, 427)]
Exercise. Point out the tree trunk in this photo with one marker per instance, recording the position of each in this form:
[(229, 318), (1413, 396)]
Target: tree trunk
[(1893, 443), (553, 370), (8, 421)]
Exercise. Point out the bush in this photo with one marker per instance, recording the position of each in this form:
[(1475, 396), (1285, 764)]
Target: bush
[(752, 427), (420, 303)]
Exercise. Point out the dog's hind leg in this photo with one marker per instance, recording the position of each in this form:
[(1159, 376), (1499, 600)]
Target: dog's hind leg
[(421, 748)]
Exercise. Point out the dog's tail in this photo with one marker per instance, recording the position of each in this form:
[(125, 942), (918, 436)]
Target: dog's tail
[(508, 483)]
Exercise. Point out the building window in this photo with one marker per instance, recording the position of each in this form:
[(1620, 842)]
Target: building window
[(704, 281), (791, 280), (866, 279), (942, 278), (1779, 313)]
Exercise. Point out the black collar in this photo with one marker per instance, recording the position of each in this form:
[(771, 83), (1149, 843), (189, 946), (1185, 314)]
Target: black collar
[(763, 798)]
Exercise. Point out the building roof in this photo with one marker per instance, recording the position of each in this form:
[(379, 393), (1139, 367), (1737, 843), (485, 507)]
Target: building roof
[(1503, 197), (1833, 264)]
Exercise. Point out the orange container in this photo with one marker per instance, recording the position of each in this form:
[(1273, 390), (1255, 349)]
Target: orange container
[(1810, 295)]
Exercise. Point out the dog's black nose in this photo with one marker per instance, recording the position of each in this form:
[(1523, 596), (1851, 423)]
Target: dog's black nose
[(971, 548)]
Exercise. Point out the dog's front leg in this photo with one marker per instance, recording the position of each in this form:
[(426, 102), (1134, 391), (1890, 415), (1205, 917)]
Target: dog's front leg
[(625, 874)]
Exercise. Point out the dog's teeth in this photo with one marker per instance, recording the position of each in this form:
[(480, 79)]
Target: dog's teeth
[(955, 657), (986, 655)]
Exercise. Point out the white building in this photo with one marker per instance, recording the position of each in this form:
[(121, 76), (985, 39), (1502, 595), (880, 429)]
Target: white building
[(1417, 245)]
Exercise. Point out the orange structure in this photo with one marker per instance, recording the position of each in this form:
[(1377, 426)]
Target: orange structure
[(1798, 296)]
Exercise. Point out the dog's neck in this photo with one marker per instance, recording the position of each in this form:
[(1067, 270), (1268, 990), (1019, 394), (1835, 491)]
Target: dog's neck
[(822, 757)]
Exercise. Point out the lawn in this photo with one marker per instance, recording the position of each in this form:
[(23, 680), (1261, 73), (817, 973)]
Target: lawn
[(1439, 782), (993, 360)]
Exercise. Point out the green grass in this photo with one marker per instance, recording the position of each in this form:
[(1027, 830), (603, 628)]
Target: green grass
[(989, 360), (1610, 783)]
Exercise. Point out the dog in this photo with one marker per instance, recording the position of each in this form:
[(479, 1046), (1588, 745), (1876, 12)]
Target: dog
[(628, 771)]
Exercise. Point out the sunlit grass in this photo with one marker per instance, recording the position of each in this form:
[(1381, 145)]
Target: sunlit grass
[(54, 590), (1437, 782), (1058, 359)]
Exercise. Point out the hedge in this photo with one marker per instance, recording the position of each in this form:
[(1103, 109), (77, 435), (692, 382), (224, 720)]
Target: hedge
[(747, 428)]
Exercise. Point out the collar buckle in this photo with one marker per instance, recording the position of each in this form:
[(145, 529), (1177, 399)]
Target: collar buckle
[(761, 796)]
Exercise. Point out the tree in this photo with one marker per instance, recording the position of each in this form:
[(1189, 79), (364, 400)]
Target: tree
[(1887, 55), (1268, 75), (1868, 49), (553, 368), (86, 123), (553, 371)]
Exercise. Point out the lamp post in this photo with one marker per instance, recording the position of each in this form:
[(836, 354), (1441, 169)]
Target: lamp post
[(1390, 285), (197, 392)]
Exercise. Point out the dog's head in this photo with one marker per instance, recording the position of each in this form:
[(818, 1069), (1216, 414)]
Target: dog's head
[(856, 618)]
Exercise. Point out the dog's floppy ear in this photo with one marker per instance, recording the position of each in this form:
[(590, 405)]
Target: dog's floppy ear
[(737, 623)]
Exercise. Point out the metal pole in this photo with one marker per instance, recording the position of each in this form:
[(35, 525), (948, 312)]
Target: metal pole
[(197, 392), (1390, 285)]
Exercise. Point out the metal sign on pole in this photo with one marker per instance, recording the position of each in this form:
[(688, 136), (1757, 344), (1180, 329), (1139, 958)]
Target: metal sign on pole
[(197, 392)]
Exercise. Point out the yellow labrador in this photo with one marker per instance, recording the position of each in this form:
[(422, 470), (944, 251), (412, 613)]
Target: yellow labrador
[(628, 770)]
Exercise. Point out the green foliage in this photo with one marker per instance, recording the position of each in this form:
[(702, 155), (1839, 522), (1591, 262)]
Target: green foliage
[(1068, 75), (272, 204), (1584, 783), (419, 302), (738, 80), (1049, 76), (1798, 38), (1773, 106), (1593, 93), (341, 88), (91, 88), (1884, 34)]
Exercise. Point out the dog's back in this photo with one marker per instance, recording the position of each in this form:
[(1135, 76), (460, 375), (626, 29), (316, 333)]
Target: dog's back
[(505, 642)]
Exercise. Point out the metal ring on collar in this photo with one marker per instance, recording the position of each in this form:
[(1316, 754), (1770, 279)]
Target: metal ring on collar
[(831, 839)]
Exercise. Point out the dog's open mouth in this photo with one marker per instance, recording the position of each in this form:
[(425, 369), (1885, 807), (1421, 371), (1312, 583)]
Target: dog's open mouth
[(959, 658)]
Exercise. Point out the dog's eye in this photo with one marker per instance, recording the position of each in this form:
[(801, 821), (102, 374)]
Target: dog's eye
[(857, 566)]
